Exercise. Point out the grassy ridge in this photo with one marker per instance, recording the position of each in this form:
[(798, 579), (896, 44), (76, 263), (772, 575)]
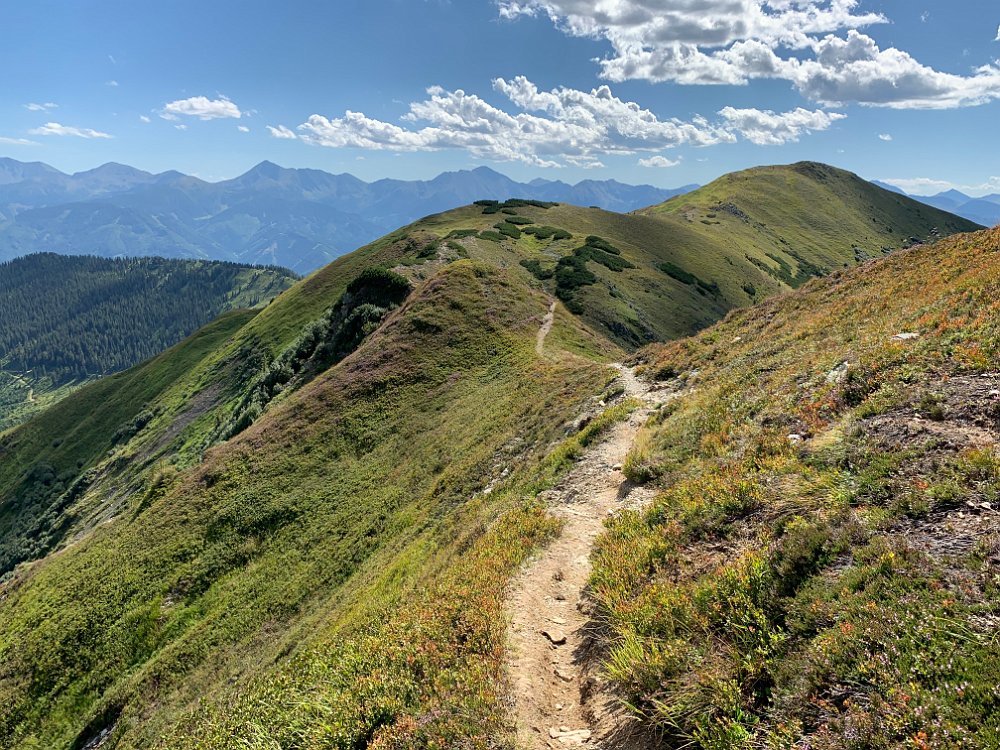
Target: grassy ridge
[(820, 565), (737, 241), (368, 464)]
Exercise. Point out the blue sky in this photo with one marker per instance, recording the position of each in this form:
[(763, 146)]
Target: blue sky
[(660, 91)]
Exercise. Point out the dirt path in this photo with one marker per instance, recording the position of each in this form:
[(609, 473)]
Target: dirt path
[(547, 322), (557, 699)]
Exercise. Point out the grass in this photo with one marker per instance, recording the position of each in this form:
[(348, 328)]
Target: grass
[(221, 559), (333, 575), (785, 592)]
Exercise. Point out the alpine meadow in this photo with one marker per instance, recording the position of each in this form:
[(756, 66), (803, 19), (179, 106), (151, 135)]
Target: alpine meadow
[(677, 437)]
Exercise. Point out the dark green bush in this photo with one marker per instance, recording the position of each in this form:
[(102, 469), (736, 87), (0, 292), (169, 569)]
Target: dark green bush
[(686, 277), (542, 274), (508, 229), (546, 232), (602, 244)]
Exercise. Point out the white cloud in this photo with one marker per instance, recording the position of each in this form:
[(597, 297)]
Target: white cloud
[(243, 128), (54, 128), (553, 128), (17, 141), (998, 35), (201, 107), (182, 126), (112, 84), (34, 107), (282, 132), (820, 49), (144, 118), (658, 162), (885, 136), (766, 128)]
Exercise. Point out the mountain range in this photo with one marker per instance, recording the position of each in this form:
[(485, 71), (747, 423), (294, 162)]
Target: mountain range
[(984, 210), (300, 219)]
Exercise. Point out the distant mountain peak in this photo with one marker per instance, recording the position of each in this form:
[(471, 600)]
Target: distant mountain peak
[(113, 168)]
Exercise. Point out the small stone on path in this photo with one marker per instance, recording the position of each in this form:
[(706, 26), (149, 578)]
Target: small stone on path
[(556, 637)]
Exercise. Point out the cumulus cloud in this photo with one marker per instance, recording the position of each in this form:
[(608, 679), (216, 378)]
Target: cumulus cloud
[(821, 49), (35, 107), (145, 119), (282, 132), (766, 128), (243, 128), (54, 128), (201, 107), (658, 162), (113, 84), (549, 129), (885, 136)]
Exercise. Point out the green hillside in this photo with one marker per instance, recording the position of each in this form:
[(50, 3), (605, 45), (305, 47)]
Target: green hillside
[(819, 567), (684, 264), (69, 320), (297, 528)]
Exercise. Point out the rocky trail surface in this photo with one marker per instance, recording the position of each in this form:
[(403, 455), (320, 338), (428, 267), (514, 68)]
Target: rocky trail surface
[(557, 692)]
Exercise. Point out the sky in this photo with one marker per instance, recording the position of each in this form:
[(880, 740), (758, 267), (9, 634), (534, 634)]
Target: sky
[(664, 92)]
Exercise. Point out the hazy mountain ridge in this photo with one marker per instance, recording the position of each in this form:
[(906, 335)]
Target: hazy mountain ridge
[(984, 210), (297, 218)]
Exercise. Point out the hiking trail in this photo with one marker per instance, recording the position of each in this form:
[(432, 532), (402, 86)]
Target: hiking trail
[(547, 322), (557, 698)]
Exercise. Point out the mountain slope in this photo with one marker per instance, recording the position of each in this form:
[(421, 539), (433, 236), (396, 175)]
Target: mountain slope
[(828, 216), (819, 566), (297, 528), (70, 320), (381, 458)]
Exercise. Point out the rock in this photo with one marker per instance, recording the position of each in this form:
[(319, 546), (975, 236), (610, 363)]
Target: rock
[(616, 467), (556, 637), (905, 336), (994, 394), (795, 438), (557, 620), (838, 373), (563, 675), (570, 737)]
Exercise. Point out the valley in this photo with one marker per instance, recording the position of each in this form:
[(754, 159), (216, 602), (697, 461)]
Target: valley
[(70, 321)]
